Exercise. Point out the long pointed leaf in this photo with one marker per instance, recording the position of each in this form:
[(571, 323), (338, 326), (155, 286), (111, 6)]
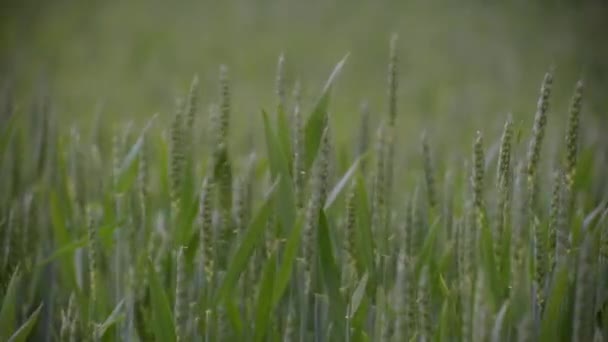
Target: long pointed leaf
[(331, 276), (128, 168), (24, 331), (162, 319), (551, 321), (7, 312), (61, 236), (357, 296), (499, 322), (114, 317), (264, 300), (363, 236), (316, 121), (253, 236), (283, 135), (290, 252), (337, 190), (279, 167)]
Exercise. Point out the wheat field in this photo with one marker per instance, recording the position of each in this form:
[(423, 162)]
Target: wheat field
[(200, 224)]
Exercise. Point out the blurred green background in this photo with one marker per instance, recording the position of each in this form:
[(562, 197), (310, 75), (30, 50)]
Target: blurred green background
[(463, 65)]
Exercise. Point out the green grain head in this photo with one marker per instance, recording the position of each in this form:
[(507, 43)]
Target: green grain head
[(205, 225), (225, 104), (504, 159), (553, 218), (429, 171), (540, 261), (93, 258), (192, 105), (177, 158), (477, 180), (562, 234), (504, 174), (297, 139), (538, 129), (572, 134), (519, 234), (350, 226), (318, 191), (379, 191)]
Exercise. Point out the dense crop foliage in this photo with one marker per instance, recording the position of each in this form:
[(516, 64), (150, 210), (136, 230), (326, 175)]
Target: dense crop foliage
[(165, 232)]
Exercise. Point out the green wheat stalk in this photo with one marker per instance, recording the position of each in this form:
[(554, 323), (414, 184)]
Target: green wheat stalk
[(562, 241), (180, 310), (584, 294), (540, 262), (480, 311), (297, 133), (379, 191), (205, 226), (425, 325), (192, 104), (519, 233), (318, 191), (504, 188), (553, 219), (93, 264), (363, 135)]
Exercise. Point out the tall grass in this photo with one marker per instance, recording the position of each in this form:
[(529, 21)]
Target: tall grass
[(159, 238)]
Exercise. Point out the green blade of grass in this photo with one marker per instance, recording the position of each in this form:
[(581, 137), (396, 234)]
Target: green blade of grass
[(115, 316), (341, 185), (283, 135), (380, 311), (276, 157), (290, 252), (315, 124), (24, 331), (61, 236), (280, 168), (104, 233), (486, 244), (498, 329), (127, 172), (363, 236), (162, 318), (7, 134), (331, 277), (8, 310), (264, 300), (253, 236), (551, 323), (357, 296), (233, 314), (426, 253), (444, 322)]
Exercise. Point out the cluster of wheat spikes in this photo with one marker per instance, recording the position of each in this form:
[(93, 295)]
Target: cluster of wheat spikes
[(178, 241)]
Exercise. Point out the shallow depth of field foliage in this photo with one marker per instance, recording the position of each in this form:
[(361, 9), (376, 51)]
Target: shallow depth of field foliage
[(295, 171)]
